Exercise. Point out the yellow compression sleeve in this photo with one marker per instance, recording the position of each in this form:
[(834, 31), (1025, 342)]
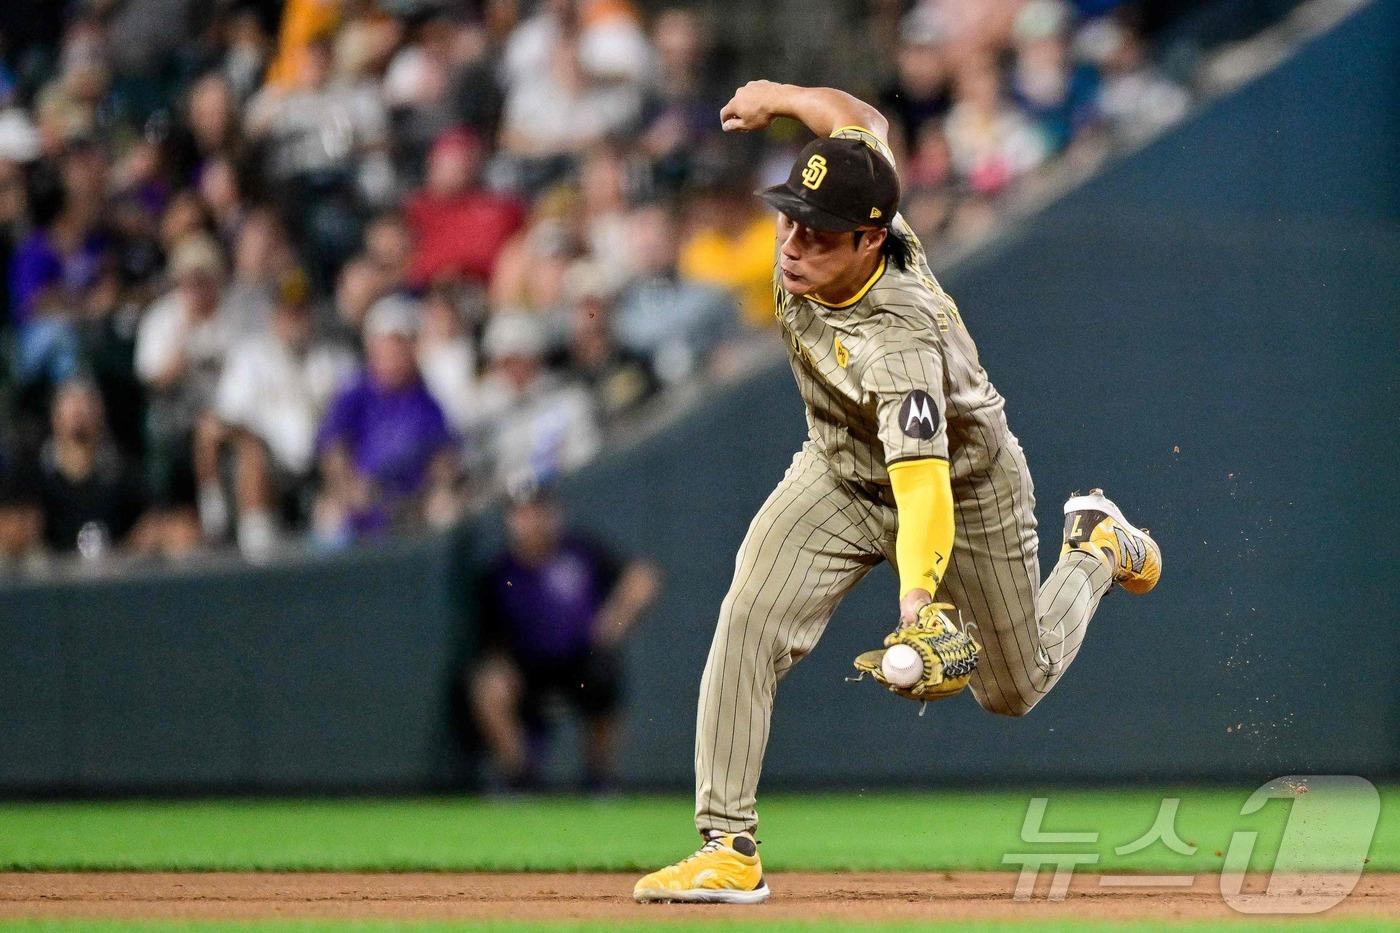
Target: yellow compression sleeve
[(923, 495)]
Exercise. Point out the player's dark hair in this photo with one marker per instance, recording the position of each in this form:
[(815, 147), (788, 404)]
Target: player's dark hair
[(896, 248)]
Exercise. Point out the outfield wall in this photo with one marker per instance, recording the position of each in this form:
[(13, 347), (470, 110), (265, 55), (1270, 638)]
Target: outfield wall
[(1208, 330)]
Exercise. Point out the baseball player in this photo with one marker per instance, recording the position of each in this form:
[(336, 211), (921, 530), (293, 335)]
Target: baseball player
[(908, 459)]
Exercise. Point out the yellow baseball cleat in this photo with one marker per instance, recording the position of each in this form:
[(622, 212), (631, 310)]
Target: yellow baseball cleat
[(725, 870), (1093, 523)]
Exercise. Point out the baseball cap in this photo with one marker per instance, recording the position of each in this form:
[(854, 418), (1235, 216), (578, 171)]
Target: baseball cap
[(392, 315), (527, 485), (837, 184), (196, 254), (514, 333)]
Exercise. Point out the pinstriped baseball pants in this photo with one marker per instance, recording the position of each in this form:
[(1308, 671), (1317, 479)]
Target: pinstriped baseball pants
[(811, 542)]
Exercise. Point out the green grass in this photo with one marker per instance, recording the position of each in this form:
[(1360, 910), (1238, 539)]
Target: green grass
[(926, 830), (1350, 925)]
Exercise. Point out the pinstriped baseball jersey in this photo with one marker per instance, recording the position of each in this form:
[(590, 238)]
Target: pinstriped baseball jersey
[(888, 375), (891, 374)]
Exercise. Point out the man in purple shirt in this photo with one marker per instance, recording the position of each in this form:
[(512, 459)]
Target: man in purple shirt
[(384, 448), (54, 270), (552, 610)]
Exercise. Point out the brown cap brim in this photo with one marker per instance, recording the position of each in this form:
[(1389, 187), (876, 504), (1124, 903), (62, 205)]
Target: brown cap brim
[(784, 199)]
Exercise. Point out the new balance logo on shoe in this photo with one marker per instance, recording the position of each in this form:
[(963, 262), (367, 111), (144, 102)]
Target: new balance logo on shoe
[(1133, 550)]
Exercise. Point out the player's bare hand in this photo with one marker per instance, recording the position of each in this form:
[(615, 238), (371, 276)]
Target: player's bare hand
[(752, 107), (909, 606)]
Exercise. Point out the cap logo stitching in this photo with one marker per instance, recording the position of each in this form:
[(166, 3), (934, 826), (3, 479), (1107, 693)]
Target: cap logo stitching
[(815, 172), (875, 213)]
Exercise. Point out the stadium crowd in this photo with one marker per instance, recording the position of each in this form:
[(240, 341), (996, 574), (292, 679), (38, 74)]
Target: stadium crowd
[(327, 269)]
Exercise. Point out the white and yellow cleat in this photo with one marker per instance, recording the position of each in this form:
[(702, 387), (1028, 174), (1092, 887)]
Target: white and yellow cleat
[(725, 870), (1093, 523)]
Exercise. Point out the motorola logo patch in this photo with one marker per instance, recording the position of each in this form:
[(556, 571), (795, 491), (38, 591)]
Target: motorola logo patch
[(918, 416)]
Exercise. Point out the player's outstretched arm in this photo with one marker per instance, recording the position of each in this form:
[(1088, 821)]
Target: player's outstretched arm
[(923, 497), (824, 110)]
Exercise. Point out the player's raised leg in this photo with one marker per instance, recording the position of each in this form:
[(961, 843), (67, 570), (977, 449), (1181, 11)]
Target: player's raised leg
[(1094, 523), (1030, 631), (808, 545)]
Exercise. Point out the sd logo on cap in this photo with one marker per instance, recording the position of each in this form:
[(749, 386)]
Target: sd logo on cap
[(837, 184)]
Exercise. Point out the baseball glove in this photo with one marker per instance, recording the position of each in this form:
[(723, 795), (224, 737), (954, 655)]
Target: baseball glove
[(949, 655)]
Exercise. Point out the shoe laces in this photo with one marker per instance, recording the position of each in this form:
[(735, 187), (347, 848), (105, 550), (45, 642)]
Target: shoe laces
[(713, 845)]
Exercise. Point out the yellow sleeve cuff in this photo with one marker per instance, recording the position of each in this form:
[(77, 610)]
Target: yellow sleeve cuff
[(923, 496)]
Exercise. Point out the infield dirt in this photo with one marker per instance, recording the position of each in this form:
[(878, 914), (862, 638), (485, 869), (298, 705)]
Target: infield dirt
[(869, 897)]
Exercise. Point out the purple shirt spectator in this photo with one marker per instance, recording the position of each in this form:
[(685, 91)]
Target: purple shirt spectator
[(38, 265), (546, 611), (391, 436)]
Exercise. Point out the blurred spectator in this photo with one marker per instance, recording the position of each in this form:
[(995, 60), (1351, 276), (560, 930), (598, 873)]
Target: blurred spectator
[(270, 400), (447, 357), (990, 142), (80, 493), (222, 192), (672, 322), (19, 137), (533, 268), (261, 257), (553, 611), (67, 105), (304, 23), (139, 179), (418, 81), (921, 90), (361, 283), (147, 37), (180, 350), (573, 75), (185, 216), (539, 425), (458, 228), (731, 243), (1135, 98), (520, 150), (21, 521), (327, 145), (618, 379), (248, 50), (210, 129), (687, 90), (930, 168), (389, 245), (1057, 95), (603, 206), (14, 207), (56, 268), (385, 450)]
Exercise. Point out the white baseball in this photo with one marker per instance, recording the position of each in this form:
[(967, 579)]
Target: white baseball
[(902, 666)]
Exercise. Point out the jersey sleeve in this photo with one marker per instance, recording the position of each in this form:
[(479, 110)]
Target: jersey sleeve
[(861, 134), (906, 385)]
